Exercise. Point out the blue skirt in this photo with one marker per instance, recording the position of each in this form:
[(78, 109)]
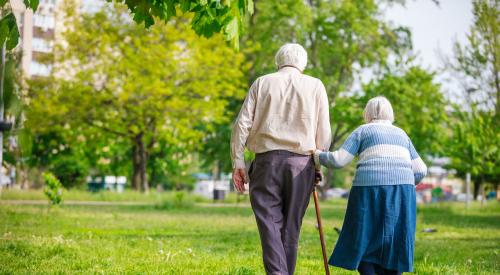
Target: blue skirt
[(379, 228)]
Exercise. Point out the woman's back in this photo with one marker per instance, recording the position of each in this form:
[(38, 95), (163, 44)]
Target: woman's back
[(384, 155)]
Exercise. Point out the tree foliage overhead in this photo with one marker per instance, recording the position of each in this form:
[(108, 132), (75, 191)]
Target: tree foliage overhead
[(209, 16)]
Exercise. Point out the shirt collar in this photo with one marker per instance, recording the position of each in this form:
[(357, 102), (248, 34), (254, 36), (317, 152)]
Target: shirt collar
[(383, 121), (289, 69)]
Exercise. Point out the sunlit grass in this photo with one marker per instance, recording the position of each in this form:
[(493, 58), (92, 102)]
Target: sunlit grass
[(217, 240)]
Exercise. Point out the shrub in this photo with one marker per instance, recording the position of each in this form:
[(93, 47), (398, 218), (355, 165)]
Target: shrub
[(70, 170), (53, 188), (178, 200)]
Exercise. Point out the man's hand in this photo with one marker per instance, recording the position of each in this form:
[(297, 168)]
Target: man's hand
[(239, 179)]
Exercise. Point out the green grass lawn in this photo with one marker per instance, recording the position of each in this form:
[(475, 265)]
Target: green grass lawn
[(217, 240)]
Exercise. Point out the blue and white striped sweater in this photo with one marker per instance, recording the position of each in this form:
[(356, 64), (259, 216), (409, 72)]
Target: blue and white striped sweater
[(386, 156)]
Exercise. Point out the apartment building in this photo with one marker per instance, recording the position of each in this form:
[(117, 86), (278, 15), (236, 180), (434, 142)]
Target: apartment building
[(40, 31)]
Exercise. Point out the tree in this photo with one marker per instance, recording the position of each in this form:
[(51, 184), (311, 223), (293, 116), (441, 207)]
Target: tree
[(475, 140), (146, 91), (209, 16), (477, 64), (419, 107), (474, 146)]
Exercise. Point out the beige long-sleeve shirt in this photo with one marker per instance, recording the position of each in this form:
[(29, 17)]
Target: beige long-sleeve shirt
[(285, 110)]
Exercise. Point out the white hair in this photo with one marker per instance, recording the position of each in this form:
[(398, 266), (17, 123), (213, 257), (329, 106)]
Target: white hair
[(378, 108), (292, 55)]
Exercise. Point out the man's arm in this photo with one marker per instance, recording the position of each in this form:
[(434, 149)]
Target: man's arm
[(239, 136), (323, 129)]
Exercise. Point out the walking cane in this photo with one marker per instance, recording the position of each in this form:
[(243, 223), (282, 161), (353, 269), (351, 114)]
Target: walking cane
[(320, 226)]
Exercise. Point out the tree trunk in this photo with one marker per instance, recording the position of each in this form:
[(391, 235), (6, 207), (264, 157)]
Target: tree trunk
[(216, 170), (139, 159), (477, 185)]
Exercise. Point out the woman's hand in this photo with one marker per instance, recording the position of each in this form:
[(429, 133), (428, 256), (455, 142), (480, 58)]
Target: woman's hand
[(317, 163)]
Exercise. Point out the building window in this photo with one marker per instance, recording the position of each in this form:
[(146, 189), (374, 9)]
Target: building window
[(40, 69), (92, 6), (44, 21), (45, 2), (41, 45)]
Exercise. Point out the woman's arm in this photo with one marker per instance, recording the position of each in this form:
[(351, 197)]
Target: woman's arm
[(335, 159), (341, 157), (417, 164)]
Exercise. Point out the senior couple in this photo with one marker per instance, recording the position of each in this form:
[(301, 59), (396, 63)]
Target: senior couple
[(285, 121)]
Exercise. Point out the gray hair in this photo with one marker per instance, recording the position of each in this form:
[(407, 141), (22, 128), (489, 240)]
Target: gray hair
[(378, 108), (292, 55)]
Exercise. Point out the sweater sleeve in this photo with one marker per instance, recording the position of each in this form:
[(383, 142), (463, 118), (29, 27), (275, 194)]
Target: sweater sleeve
[(418, 165), (345, 154)]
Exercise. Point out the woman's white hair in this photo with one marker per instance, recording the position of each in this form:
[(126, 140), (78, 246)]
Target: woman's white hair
[(292, 55), (378, 108)]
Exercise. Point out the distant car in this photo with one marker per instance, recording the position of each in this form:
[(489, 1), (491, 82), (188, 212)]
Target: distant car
[(335, 193)]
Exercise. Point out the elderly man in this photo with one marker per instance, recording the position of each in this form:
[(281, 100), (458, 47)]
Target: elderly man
[(284, 119)]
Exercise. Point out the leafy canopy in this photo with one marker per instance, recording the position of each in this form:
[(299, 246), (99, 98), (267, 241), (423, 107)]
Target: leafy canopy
[(209, 16)]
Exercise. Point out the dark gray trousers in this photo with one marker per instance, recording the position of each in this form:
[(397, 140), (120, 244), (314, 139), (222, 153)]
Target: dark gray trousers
[(281, 183)]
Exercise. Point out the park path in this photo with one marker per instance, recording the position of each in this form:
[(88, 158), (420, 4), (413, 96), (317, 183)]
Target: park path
[(92, 203), (113, 203), (132, 203)]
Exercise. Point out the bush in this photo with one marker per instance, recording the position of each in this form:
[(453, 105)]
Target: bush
[(53, 188), (178, 200), (70, 170)]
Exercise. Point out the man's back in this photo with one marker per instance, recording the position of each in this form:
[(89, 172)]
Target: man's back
[(288, 111)]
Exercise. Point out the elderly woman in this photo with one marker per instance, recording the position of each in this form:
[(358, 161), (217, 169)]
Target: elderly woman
[(378, 234)]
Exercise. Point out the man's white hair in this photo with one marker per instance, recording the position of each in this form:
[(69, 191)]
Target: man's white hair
[(292, 55), (378, 108)]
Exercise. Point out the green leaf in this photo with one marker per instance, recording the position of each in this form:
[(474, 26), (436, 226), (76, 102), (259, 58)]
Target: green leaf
[(13, 39), (32, 4), (250, 7), (2, 2), (4, 31), (185, 5), (231, 29), (169, 10), (9, 33), (231, 32), (211, 12)]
